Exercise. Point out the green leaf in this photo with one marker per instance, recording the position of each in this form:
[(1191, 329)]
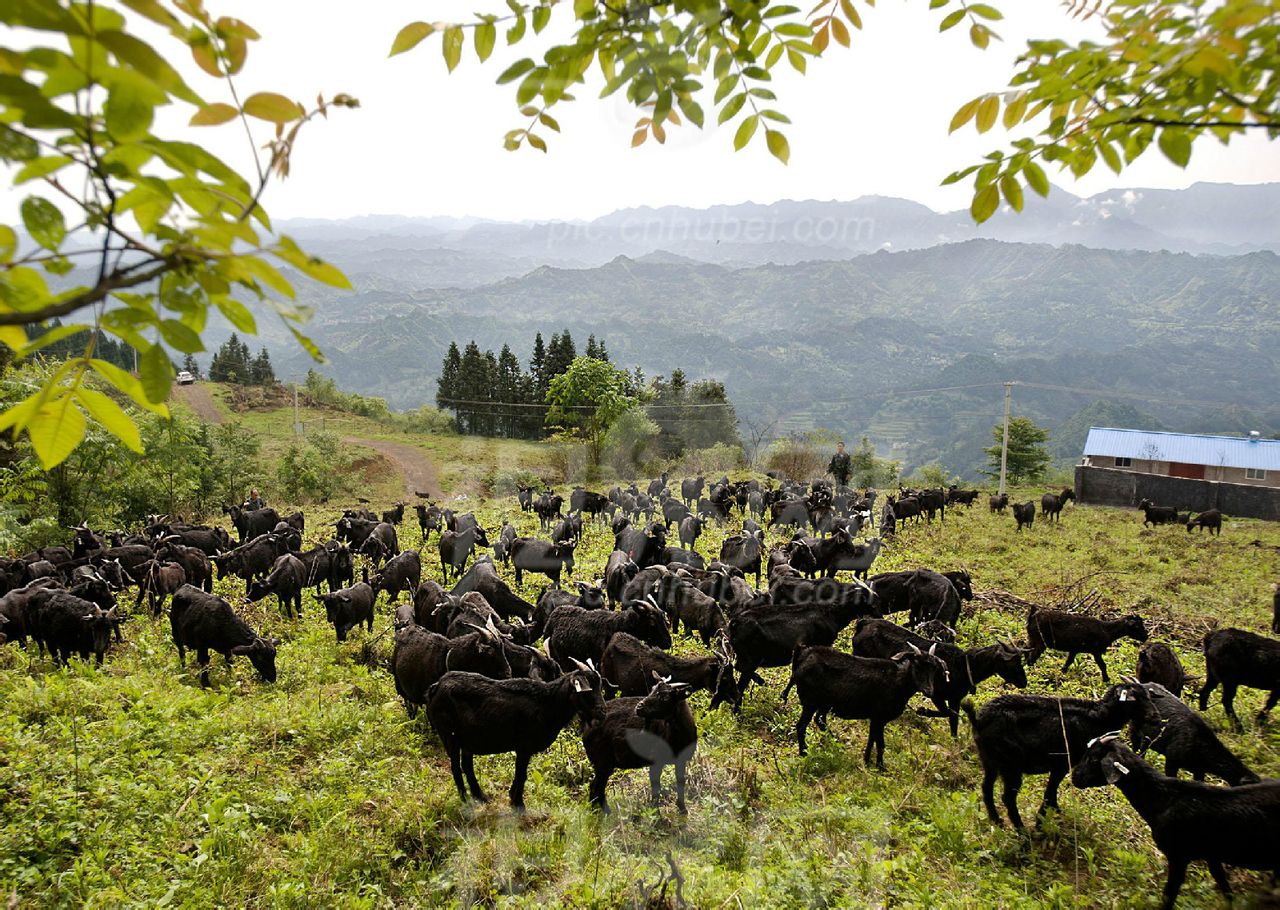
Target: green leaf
[(1012, 191), (307, 345), (985, 203), (1110, 156), (452, 46), (55, 430), (486, 37), (985, 11), (410, 37), (965, 114), (1175, 142), (180, 337), (1036, 178), (541, 16), (778, 145), (128, 384), (988, 109), (951, 20), (112, 417), (127, 111), (8, 243), (272, 107), (213, 114), (730, 110), (155, 372), (43, 221), (41, 167), (515, 71), (746, 130)]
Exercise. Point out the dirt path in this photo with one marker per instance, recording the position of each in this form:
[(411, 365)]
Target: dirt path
[(197, 398), (418, 471)]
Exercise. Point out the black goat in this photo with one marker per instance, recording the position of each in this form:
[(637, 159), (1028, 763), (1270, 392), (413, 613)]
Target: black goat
[(475, 715), (483, 578), (1051, 504), (1078, 635), (345, 609), (420, 658), (1157, 515), (286, 580), (768, 635), (529, 554), (456, 548), (966, 668), (1158, 663), (855, 688), (618, 572), (1018, 735), (400, 573), (630, 666), (1237, 826), (574, 633), (1209, 518), (207, 623), (1237, 658), (1185, 740), (637, 732), (1024, 513)]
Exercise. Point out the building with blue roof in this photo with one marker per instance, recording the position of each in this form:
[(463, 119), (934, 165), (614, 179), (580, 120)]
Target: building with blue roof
[(1229, 459)]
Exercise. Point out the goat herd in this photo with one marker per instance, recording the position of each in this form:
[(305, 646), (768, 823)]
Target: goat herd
[(470, 656)]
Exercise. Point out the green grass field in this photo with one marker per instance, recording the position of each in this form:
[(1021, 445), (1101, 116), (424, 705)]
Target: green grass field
[(129, 785)]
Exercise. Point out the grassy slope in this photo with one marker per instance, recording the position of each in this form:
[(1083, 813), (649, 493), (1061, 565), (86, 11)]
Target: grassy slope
[(459, 460), (131, 785)]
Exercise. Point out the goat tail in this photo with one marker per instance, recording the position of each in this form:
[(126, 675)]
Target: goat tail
[(966, 705)]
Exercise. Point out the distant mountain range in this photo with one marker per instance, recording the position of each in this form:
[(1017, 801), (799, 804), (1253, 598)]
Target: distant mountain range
[(1180, 340), (466, 252)]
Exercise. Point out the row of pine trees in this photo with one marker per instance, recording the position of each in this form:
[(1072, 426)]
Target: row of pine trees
[(493, 395), (234, 364)]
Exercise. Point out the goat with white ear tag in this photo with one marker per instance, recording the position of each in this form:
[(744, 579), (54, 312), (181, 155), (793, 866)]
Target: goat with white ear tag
[(1237, 826), (1018, 735)]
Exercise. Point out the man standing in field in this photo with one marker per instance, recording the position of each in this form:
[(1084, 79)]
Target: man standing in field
[(840, 465)]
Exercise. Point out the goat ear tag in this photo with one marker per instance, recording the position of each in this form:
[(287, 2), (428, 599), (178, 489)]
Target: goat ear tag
[(1121, 768), (1124, 696), (580, 686)]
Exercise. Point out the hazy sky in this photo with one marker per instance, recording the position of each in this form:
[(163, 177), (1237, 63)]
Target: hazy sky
[(869, 120)]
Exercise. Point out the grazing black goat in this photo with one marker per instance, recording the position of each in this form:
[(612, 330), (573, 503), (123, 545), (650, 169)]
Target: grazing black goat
[(999, 503), (207, 623), (828, 681), (286, 580), (768, 635), (345, 609), (400, 573), (456, 548), (1185, 740), (1157, 515), (652, 731), (1051, 504), (1078, 635), (1210, 518), (588, 597), (1024, 513), (548, 558), (1018, 735), (1235, 826), (421, 657), (966, 668), (483, 578), (630, 666), (1237, 658), (618, 571), (574, 633), (475, 715), (1158, 663)]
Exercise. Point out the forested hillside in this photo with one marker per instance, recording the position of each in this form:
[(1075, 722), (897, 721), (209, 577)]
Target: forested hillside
[(1188, 340)]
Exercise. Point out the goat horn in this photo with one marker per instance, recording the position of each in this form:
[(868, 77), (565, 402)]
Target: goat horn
[(580, 665)]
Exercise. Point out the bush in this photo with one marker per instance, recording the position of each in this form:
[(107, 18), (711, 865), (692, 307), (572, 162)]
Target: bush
[(931, 475), (567, 458), (504, 482), (631, 444), (797, 457), (314, 471), (720, 458)]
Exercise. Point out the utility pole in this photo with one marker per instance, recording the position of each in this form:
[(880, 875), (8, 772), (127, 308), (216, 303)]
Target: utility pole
[(1004, 445), (297, 425)]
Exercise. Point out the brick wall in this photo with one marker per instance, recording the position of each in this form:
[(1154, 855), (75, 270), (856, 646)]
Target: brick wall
[(1118, 487)]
